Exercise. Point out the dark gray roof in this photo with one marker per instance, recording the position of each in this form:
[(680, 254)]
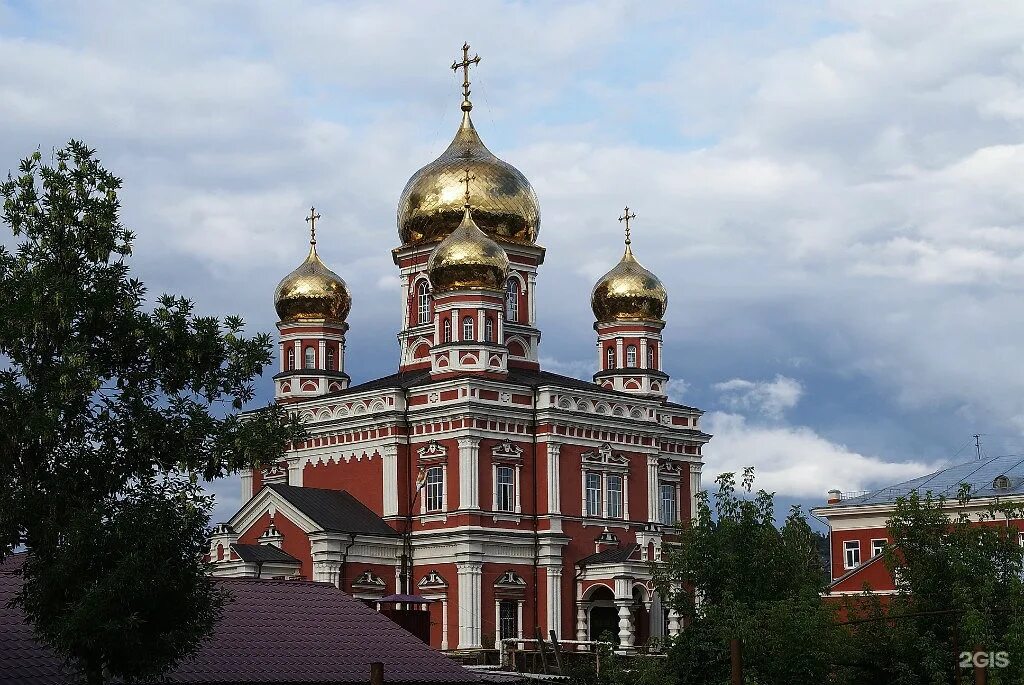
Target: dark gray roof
[(334, 510), (979, 474), (614, 555), (260, 554)]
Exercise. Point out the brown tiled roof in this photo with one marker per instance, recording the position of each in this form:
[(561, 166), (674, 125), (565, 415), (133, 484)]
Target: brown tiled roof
[(271, 632)]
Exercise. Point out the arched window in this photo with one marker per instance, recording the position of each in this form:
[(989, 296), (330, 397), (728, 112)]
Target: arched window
[(650, 357), (631, 356), (423, 302), (330, 358), (291, 358), (512, 300), (309, 358), (610, 356), (467, 328), (447, 330), (488, 330)]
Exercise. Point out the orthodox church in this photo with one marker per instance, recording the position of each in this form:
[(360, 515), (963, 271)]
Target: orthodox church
[(511, 497)]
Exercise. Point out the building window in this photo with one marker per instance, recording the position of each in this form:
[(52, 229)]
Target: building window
[(877, 547), (667, 504), (506, 488), (309, 358), (330, 359), (488, 330), (447, 330), (423, 302), (433, 495), (593, 494), (631, 356), (508, 619), (467, 328), (851, 552), (650, 357), (512, 300), (610, 356), (291, 358), (614, 497)]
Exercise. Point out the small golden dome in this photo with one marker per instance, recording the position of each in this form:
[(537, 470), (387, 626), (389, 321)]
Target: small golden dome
[(628, 291), (505, 206), (312, 292), (467, 259)]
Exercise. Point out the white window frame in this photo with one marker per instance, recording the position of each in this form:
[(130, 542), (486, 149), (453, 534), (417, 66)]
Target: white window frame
[(668, 517), (630, 356), (650, 357), (423, 303), (609, 356), (594, 505), (512, 300), (878, 546), (309, 357), (434, 489), (467, 328), (506, 495), (330, 358), (488, 330), (614, 508), (447, 330), (851, 554), (291, 358)]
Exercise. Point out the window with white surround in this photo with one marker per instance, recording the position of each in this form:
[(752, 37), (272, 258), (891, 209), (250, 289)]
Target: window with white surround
[(447, 330), (630, 356), (610, 355), (668, 512), (877, 547), (467, 328), (851, 554), (330, 358), (433, 489), (291, 358), (593, 491), (505, 484), (488, 330), (650, 357), (309, 358), (508, 619), (512, 300), (423, 302), (614, 499)]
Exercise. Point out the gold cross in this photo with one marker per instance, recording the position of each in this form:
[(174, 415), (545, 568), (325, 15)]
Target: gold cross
[(464, 65), (311, 219), (626, 216), (466, 179)]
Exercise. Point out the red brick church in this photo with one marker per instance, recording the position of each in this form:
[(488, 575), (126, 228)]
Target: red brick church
[(511, 496)]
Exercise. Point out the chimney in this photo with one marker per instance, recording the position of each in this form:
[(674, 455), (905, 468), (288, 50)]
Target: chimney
[(834, 497)]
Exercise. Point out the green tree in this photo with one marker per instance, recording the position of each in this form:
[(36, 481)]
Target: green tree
[(959, 587), (110, 412), (735, 574)]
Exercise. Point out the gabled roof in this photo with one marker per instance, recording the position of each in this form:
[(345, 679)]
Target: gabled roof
[(980, 474), (261, 554), (270, 632), (615, 555), (333, 510)]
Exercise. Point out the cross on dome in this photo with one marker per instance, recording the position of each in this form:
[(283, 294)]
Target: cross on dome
[(466, 179), (464, 65), (626, 216), (311, 220)]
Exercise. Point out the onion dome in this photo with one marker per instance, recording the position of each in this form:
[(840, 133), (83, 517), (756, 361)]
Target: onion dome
[(467, 260), (628, 291), (504, 203), (312, 291)]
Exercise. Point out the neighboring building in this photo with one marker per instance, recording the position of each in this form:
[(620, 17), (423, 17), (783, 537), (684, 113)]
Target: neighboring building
[(858, 520), (530, 499), (272, 632)]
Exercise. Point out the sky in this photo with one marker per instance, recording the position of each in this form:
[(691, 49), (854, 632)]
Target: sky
[(831, 192)]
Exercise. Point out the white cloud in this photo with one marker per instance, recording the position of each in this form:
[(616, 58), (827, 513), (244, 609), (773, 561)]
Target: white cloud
[(769, 398)]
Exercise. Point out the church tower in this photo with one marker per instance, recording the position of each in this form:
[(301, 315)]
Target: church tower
[(629, 303), (505, 210), (312, 303)]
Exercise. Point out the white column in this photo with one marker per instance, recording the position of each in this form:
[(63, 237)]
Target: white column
[(295, 467), (406, 294), (341, 355), (583, 489), (694, 488), (500, 335), (456, 326), (531, 298), (581, 624), (298, 355), (620, 360), (469, 473), (444, 624), (246, 475), (625, 496), (652, 488), (674, 626), (554, 476), (282, 353), (519, 618), (469, 576), (555, 599), (643, 353), (600, 355), (321, 359), (480, 327), (389, 460), (517, 489), (497, 623), (624, 602)]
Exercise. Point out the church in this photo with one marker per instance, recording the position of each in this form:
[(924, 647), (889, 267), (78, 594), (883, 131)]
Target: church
[(510, 497)]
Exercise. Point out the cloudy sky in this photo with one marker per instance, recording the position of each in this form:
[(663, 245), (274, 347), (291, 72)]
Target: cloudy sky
[(832, 192)]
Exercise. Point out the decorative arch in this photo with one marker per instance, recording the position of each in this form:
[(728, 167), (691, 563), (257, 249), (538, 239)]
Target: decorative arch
[(583, 405), (378, 405), (341, 411), (601, 408), (618, 411), (360, 408), (310, 386), (421, 350), (636, 414), (598, 589)]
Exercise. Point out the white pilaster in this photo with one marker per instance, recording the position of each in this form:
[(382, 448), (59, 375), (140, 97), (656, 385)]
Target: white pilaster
[(554, 478), (620, 360), (389, 459), (469, 575), (469, 473), (246, 476), (694, 488), (643, 354), (554, 599), (652, 488)]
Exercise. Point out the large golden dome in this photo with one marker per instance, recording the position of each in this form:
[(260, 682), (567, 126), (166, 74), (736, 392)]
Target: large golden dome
[(312, 292), (467, 259), (629, 291), (504, 204)]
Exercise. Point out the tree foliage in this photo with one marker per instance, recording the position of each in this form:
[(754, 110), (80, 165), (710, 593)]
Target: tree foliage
[(110, 411)]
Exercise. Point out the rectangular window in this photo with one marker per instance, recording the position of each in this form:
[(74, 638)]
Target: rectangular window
[(615, 497), (433, 497), (877, 547), (667, 504), (508, 617), (851, 552), (505, 488), (593, 494)]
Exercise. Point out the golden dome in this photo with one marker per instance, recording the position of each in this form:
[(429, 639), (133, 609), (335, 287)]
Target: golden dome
[(504, 204), (467, 259), (628, 291), (312, 292)]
